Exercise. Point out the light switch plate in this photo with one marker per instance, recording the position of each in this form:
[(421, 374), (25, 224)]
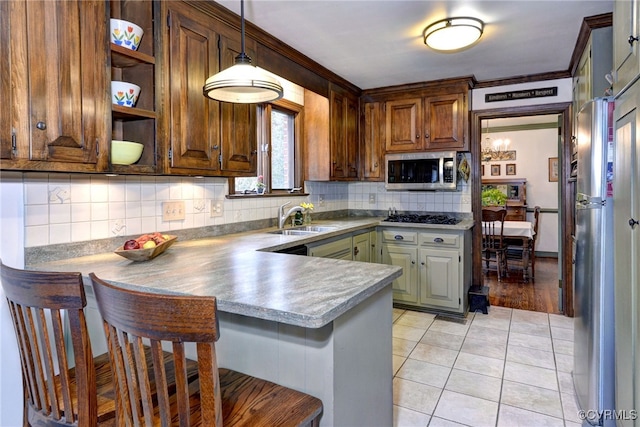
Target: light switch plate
[(372, 198), (173, 211)]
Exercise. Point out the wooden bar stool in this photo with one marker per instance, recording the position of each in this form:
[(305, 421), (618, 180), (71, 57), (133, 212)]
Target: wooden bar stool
[(217, 396), (38, 303), (55, 393)]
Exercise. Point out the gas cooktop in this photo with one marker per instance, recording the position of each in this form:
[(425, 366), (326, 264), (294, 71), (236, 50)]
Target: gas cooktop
[(423, 219)]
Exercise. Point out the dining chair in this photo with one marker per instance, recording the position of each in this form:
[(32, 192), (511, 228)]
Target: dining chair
[(57, 393), (216, 396), (493, 248), (516, 251)]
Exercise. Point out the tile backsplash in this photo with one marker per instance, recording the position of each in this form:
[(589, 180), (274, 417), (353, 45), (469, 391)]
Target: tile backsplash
[(65, 208)]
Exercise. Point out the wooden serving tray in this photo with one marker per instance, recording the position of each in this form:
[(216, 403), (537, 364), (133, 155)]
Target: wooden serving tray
[(146, 254)]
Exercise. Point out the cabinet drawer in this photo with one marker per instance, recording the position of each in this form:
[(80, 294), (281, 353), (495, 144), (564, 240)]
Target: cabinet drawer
[(440, 239), (516, 214), (400, 236)]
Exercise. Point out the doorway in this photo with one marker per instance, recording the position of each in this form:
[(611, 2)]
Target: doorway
[(551, 274)]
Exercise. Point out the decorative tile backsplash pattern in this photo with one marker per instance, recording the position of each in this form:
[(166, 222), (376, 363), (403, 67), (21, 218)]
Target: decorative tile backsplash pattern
[(65, 208)]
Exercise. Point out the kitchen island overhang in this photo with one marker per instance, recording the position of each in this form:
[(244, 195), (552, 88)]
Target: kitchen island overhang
[(322, 326)]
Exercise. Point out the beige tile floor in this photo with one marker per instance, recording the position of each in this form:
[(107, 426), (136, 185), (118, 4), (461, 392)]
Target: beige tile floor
[(509, 368)]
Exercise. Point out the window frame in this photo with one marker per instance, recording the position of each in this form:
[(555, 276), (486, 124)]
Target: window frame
[(263, 162)]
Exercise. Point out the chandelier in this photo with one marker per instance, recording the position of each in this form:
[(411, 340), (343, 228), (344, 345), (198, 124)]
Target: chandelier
[(495, 149)]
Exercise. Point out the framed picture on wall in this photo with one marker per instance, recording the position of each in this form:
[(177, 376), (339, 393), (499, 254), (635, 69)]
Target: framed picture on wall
[(495, 170), (553, 169), (511, 169)]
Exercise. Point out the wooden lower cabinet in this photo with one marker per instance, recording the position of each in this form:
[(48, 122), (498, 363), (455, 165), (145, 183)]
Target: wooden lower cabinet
[(436, 267)]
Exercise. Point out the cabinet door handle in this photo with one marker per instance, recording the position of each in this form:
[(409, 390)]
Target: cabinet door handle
[(426, 135), (438, 240), (422, 263), (398, 237), (632, 39), (413, 262), (418, 136), (633, 223), (41, 125), (356, 251)]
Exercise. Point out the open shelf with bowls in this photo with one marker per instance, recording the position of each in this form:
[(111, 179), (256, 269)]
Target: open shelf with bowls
[(136, 121)]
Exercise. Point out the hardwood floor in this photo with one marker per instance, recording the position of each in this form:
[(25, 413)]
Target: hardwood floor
[(539, 294)]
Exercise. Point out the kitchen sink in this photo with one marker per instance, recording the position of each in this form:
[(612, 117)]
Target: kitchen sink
[(292, 232), (303, 230)]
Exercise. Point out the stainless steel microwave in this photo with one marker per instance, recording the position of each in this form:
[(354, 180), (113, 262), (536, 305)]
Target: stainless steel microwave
[(421, 171)]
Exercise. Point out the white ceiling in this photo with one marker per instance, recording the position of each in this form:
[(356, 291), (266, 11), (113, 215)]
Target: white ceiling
[(377, 43)]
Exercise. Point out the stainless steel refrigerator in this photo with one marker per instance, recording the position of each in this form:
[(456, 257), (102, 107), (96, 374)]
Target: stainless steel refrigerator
[(594, 371)]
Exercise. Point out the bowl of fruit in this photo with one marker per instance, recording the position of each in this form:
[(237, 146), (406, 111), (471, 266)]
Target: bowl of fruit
[(146, 247)]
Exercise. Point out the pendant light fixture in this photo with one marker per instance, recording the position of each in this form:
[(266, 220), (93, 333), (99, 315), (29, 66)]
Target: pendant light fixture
[(242, 83), (453, 33)]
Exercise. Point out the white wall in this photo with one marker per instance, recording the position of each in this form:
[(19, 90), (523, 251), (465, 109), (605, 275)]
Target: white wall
[(533, 150), (12, 254)]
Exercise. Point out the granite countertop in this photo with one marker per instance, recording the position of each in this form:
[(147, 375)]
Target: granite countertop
[(246, 275)]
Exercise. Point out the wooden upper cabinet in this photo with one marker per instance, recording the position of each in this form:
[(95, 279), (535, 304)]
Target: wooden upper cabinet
[(317, 157), (344, 136), (7, 137), (207, 137), (427, 123), (351, 131), (53, 80), (194, 119), (239, 125), (404, 125), (372, 140), (444, 122)]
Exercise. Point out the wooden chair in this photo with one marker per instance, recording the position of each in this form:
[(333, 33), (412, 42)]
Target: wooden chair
[(217, 396), (493, 248), (55, 393), (515, 250)]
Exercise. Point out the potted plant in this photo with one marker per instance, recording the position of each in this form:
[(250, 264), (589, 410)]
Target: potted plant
[(493, 197), (260, 185)]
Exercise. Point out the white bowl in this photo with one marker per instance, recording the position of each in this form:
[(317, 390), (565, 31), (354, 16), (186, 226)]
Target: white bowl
[(125, 33), (125, 152), (123, 93)]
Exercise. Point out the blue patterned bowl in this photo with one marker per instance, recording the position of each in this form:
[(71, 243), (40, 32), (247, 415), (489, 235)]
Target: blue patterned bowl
[(124, 93), (125, 33)]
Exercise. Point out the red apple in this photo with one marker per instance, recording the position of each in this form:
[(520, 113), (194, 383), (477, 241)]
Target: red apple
[(131, 244)]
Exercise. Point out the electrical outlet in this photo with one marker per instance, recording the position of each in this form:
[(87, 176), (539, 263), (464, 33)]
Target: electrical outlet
[(321, 200), (173, 211), (372, 198), (216, 208)]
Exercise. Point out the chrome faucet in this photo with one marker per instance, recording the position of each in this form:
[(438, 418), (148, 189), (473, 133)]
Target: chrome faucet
[(282, 217)]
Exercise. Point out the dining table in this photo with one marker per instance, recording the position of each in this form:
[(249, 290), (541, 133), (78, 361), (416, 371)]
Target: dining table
[(524, 231)]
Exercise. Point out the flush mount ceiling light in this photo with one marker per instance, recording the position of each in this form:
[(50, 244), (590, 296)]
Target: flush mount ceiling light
[(242, 83), (453, 33)]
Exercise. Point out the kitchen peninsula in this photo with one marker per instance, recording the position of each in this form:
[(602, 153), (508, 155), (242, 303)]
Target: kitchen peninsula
[(320, 325)]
